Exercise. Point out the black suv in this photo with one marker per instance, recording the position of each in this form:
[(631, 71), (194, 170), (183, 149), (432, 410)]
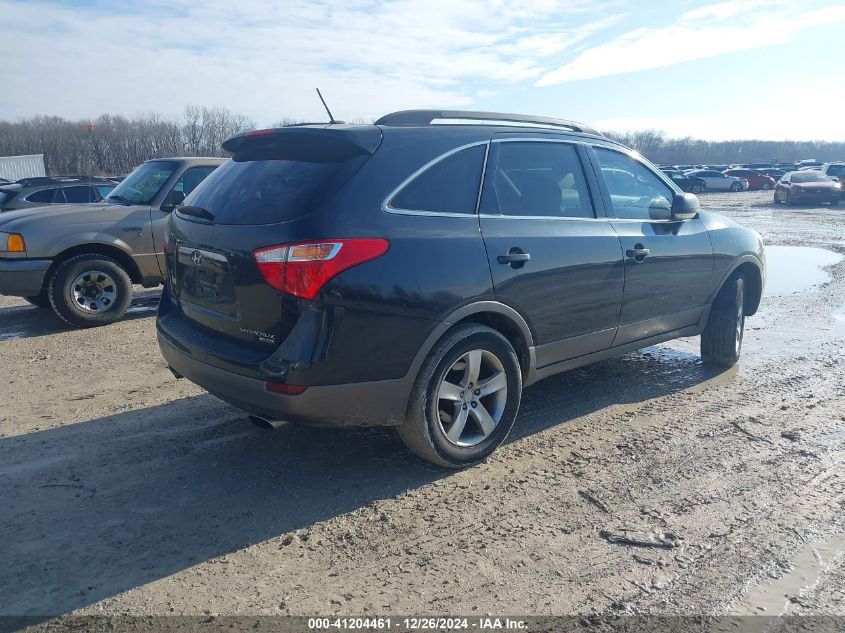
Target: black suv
[(420, 271)]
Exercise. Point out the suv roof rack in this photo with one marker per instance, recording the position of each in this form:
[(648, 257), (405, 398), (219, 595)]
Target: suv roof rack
[(428, 117)]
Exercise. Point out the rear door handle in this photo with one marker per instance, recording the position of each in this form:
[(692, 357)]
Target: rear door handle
[(514, 258), (638, 253)]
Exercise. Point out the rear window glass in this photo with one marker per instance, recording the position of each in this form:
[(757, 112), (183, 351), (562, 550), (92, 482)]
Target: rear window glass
[(449, 186), (78, 194), (269, 191), (537, 179)]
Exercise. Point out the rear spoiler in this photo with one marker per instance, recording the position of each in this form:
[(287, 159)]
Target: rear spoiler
[(310, 144)]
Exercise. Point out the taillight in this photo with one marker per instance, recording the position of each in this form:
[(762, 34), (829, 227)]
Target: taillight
[(301, 269)]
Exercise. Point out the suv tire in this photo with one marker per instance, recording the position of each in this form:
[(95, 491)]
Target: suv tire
[(478, 372), (90, 290), (721, 340), (40, 300)]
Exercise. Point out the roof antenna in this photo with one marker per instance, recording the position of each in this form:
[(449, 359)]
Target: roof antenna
[(331, 118)]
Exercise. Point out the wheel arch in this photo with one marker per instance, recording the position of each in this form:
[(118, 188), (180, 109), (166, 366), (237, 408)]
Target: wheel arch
[(96, 248), (498, 316), (752, 272)]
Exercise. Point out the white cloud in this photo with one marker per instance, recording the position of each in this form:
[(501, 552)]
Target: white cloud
[(265, 59), (697, 34)]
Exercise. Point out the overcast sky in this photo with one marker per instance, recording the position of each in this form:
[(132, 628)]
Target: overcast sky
[(741, 69)]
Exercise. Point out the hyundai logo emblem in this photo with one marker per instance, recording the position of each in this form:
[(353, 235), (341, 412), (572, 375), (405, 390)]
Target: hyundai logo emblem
[(196, 257)]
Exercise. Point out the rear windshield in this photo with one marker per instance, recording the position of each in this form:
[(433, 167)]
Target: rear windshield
[(809, 176), (269, 191)]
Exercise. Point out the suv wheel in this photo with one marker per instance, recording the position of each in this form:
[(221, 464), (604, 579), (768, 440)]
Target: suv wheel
[(89, 290), (40, 300), (721, 341), (465, 399)]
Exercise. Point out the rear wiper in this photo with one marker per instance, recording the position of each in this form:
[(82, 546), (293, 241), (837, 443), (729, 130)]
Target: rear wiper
[(197, 212)]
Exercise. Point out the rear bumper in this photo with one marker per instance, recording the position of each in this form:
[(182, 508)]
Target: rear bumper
[(375, 403), (22, 277)]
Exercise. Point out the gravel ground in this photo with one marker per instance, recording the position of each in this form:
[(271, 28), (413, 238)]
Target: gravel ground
[(125, 491)]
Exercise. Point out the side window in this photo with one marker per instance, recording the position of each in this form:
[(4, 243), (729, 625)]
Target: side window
[(104, 190), (77, 195), (59, 198), (45, 196), (449, 186), (635, 192), (537, 179), (187, 183)]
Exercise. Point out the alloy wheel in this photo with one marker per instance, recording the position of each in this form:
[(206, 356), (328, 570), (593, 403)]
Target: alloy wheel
[(740, 318), (471, 398)]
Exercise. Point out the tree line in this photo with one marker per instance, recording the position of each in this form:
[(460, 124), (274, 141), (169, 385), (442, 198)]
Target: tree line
[(655, 146), (115, 144)]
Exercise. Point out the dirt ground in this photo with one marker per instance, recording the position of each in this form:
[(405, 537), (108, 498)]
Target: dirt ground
[(125, 491)]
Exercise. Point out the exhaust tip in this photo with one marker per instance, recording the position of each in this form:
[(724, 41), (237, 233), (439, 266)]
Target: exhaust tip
[(266, 423)]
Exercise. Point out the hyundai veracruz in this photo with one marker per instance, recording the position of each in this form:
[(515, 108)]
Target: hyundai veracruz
[(421, 271)]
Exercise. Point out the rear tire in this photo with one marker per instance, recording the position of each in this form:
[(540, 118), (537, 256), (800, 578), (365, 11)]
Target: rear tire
[(766, 186), (90, 290), (695, 189), (40, 300), (735, 186), (458, 416), (721, 340)]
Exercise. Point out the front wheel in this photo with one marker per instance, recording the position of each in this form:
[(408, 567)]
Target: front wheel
[(735, 186), (766, 186), (465, 399), (721, 341), (695, 189), (90, 290)]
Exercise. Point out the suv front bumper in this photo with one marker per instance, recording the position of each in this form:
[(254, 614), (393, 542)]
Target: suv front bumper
[(22, 277), (373, 403)]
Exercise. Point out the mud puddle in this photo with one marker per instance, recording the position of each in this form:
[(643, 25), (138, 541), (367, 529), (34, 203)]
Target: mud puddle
[(807, 567), (792, 269)]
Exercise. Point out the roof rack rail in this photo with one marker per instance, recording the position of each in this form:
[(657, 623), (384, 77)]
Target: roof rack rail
[(428, 117)]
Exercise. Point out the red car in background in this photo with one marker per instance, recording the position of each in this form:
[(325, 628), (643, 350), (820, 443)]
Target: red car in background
[(755, 179), (807, 186)]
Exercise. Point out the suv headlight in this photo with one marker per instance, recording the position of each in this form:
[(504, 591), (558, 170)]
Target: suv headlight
[(12, 243)]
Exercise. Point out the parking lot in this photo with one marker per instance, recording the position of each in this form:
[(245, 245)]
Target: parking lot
[(643, 484)]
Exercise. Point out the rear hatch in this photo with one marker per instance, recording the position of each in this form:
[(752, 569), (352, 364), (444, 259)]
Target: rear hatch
[(260, 198)]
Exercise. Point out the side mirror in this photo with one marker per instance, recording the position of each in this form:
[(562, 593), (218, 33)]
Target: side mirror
[(173, 200), (685, 206)]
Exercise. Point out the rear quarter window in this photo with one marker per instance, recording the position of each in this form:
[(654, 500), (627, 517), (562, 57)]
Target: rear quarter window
[(449, 186), (45, 196)]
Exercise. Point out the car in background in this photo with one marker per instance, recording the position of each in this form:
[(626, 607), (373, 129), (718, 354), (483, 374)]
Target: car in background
[(81, 260), (834, 170), (717, 181), (692, 184), (807, 186), (773, 172), (41, 191), (755, 179)]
